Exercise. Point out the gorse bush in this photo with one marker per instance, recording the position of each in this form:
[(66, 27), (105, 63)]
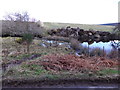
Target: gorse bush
[(19, 40), (25, 40), (27, 37)]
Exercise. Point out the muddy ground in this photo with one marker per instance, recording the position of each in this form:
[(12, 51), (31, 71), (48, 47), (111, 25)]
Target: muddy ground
[(115, 82)]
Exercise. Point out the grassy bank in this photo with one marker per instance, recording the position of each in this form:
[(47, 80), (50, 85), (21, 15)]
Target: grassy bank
[(52, 63), (50, 25)]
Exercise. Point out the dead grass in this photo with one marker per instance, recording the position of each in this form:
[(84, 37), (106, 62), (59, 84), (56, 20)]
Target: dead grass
[(66, 62)]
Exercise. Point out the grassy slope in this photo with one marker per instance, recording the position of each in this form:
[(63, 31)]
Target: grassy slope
[(50, 25), (21, 72)]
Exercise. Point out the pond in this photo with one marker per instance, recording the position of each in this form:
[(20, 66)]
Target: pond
[(107, 46)]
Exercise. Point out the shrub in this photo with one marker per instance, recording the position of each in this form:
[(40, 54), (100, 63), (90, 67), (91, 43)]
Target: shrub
[(74, 43), (27, 40), (113, 54), (27, 37), (19, 40), (97, 52)]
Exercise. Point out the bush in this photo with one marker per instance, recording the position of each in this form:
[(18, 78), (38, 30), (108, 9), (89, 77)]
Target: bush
[(97, 52), (27, 39), (113, 54), (74, 43), (19, 40)]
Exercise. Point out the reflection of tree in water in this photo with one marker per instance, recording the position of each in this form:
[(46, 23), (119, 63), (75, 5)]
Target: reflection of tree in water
[(115, 45)]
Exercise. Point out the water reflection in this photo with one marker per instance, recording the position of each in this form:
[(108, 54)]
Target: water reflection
[(115, 44), (108, 46)]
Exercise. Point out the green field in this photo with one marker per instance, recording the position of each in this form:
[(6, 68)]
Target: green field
[(51, 25)]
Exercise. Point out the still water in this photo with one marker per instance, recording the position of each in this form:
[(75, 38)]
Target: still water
[(106, 45)]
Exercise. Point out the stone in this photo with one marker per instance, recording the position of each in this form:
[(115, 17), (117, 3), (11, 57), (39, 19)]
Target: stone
[(14, 53)]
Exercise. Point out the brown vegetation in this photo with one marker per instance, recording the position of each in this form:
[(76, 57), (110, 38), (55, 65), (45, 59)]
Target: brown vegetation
[(57, 62)]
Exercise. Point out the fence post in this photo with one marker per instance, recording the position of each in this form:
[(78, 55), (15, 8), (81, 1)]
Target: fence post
[(88, 51), (103, 51), (118, 53)]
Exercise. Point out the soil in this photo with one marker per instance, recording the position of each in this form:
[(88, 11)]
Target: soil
[(18, 62), (62, 83)]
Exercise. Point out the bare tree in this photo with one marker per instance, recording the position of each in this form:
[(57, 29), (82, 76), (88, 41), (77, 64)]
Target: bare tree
[(22, 17), (17, 16)]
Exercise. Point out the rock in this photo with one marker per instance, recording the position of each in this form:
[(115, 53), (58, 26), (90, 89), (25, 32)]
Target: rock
[(14, 53), (105, 39), (4, 50), (90, 34), (52, 32), (83, 35), (80, 32), (68, 27), (97, 36)]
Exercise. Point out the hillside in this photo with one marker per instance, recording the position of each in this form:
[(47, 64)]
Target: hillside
[(50, 25), (111, 24)]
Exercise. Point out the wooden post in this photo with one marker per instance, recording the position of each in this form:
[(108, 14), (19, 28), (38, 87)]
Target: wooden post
[(119, 53), (88, 51), (103, 51)]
